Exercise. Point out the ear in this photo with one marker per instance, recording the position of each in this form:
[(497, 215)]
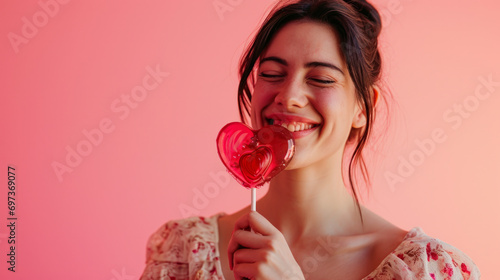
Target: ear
[(359, 119)]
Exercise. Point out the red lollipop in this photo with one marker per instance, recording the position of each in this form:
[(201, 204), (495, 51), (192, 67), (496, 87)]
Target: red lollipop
[(254, 157)]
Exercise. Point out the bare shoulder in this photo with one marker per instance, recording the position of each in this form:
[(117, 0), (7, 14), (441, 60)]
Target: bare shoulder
[(388, 235)]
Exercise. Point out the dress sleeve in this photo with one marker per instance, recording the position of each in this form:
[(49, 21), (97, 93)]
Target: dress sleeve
[(423, 257), (182, 250), (165, 257)]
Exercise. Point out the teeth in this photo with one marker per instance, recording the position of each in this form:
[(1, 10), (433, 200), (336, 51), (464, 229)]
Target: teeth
[(292, 127)]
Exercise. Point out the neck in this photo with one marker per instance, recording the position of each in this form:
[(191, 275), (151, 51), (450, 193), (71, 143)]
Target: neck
[(310, 201)]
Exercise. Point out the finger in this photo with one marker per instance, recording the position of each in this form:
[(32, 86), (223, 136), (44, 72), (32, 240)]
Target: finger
[(260, 224), (253, 271), (231, 248), (244, 271), (242, 238), (242, 223), (247, 256), (256, 222), (249, 239)]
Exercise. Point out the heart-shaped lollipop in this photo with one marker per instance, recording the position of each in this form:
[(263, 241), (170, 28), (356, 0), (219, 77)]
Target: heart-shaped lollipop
[(253, 157)]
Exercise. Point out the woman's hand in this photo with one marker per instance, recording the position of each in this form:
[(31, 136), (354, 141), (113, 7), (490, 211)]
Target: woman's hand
[(261, 253)]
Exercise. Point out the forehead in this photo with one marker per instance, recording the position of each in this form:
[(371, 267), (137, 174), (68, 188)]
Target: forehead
[(307, 41)]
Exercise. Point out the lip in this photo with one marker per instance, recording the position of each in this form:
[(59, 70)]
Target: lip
[(287, 118)]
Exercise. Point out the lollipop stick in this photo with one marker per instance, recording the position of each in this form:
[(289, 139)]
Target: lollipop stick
[(253, 207)]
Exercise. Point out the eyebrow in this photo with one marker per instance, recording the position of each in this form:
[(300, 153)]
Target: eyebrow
[(307, 65)]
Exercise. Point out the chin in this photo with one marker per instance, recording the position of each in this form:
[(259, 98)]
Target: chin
[(296, 163)]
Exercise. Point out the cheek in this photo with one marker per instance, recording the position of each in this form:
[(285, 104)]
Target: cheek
[(263, 93), (261, 98), (328, 105), (334, 109)]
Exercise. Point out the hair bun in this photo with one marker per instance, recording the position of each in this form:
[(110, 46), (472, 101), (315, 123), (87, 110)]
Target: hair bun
[(372, 23)]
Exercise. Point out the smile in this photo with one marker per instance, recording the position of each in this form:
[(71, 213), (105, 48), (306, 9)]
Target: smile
[(292, 126)]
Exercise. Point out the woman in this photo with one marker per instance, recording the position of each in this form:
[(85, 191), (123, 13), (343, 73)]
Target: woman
[(313, 68)]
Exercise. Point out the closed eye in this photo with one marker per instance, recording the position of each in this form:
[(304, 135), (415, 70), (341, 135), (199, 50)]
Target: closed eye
[(326, 82), (264, 75)]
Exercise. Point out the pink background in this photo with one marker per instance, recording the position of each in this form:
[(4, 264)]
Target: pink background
[(68, 73)]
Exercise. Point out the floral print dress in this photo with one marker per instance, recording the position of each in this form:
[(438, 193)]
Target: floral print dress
[(188, 250)]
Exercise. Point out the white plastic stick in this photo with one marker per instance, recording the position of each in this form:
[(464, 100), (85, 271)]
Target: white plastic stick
[(253, 207)]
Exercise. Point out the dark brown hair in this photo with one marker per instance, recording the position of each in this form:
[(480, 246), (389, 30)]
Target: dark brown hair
[(358, 26)]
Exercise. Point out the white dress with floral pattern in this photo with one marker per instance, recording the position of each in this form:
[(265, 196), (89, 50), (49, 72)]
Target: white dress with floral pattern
[(188, 249)]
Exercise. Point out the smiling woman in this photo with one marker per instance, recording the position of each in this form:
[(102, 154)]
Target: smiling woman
[(352, 38), (313, 68)]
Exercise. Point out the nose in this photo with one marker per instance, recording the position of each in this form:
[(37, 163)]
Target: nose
[(292, 95)]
